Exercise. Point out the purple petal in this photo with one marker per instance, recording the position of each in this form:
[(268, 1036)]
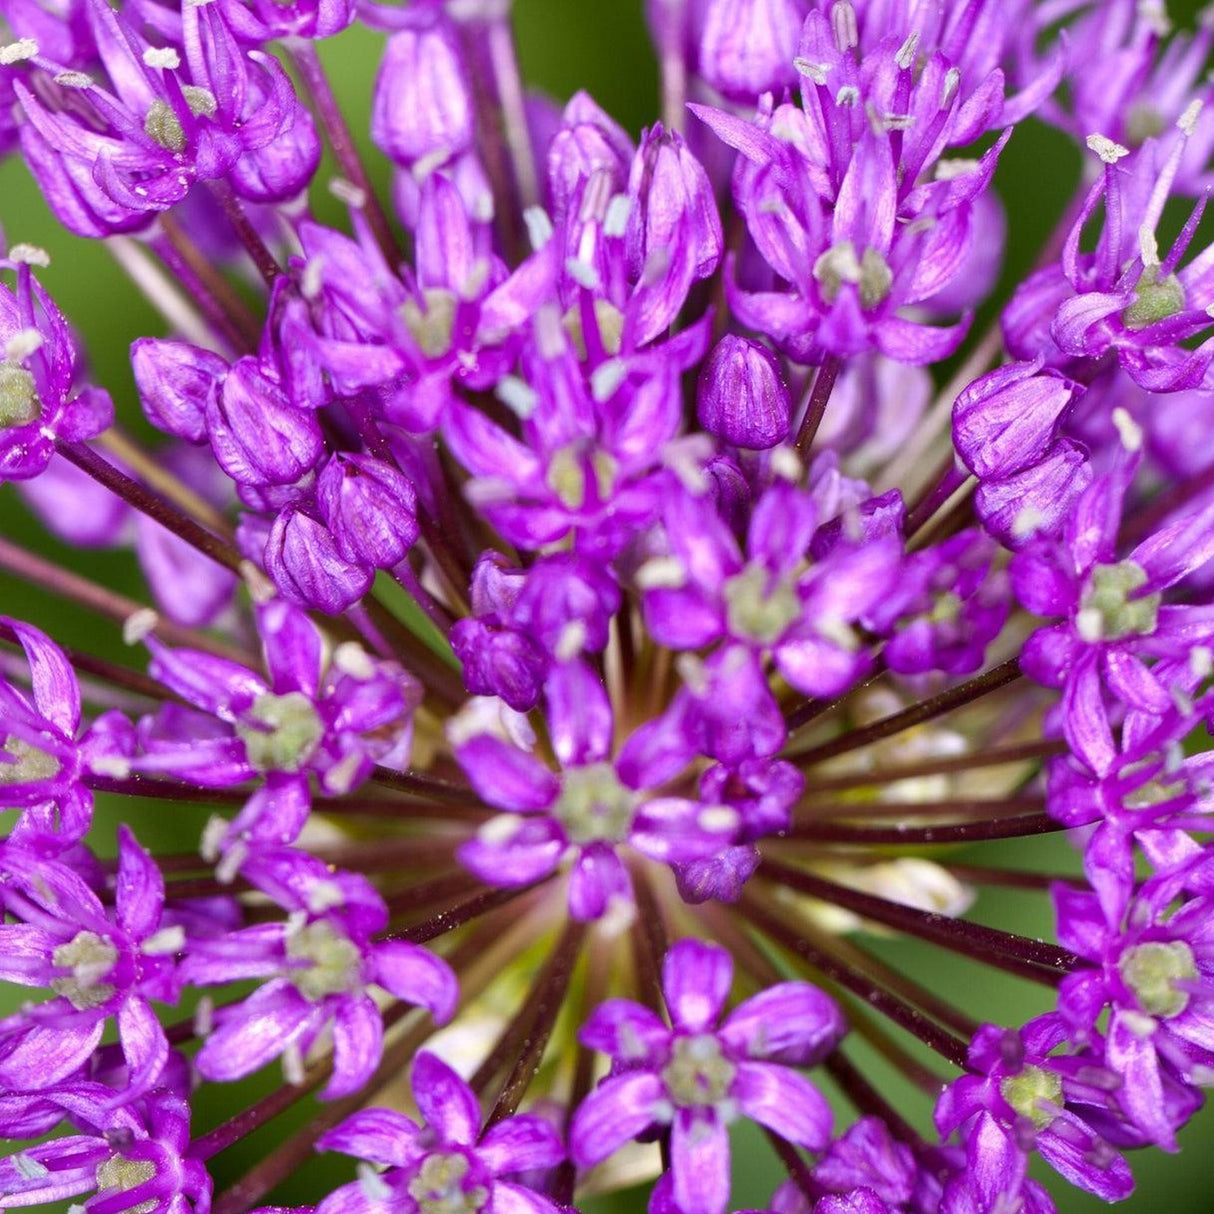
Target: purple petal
[(255, 1031), (139, 892), (617, 1110), (518, 1199), (416, 975), (792, 1022), (696, 979), (579, 714), (521, 1143), (358, 1038), (56, 692), (506, 776), (629, 1032), (144, 1045), (783, 1101), (598, 877), (699, 1161), (513, 850), (379, 1135), (447, 1104)]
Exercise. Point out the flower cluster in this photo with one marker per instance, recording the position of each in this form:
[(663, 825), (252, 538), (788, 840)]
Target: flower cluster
[(558, 578)]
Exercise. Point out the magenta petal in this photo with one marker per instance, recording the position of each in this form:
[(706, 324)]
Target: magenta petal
[(379, 1135), (699, 1161), (416, 975), (784, 1101), (629, 1032), (792, 1022), (269, 1021), (531, 849), (518, 1199), (521, 1143), (447, 1104), (696, 979), (56, 693), (617, 1110), (579, 714), (144, 1045), (358, 1037), (506, 776)]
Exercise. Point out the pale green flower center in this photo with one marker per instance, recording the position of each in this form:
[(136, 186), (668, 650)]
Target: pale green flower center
[(567, 475), (1034, 1093), (28, 763), (335, 963), (118, 1175), (759, 606), (698, 1075), (1155, 299), (870, 272), (19, 403), (432, 321), (1152, 971), (594, 806), (163, 126), (1108, 613), (438, 1187), (280, 732), (90, 958)]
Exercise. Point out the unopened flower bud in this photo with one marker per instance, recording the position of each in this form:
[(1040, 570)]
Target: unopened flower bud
[(741, 395), (257, 435), (175, 381), (303, 560), (370, 509), (422, 104), (748, 46)]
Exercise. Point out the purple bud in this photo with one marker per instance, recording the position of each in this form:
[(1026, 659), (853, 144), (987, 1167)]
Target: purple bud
[(748, 46), (1005, 421), (1037, 500), (304, 562), (589, 142), (257, 435), (741, 395), (422, 105), (500, 662), (175, 382), (370, 509), (674, 208)]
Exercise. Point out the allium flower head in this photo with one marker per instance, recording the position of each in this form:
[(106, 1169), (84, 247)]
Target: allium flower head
[(607, 607)]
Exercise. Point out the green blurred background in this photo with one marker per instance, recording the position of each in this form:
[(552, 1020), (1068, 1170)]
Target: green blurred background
[(564, 45)]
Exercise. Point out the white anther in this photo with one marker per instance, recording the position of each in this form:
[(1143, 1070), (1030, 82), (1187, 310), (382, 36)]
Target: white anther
[(517, 395), (345, 191), (162, 56), (1128, 430), (1108, 150), (615, 221), (815, 72), (905, 57), (164, 943), (15, 52), (138, 625), (1187, 122), (606, 378), (539, 227), (661, 573), (29, 255), (22, 344)]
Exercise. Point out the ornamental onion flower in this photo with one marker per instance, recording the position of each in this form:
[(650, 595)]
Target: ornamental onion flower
[(591, 647)]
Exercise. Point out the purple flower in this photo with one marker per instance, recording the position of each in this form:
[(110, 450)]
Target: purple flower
[(447, 1162), (40, 401), (327, 716), (319, 965), (592, 808), (98, 964), (131, 1157), (1018, 1098), (696, 1079)]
